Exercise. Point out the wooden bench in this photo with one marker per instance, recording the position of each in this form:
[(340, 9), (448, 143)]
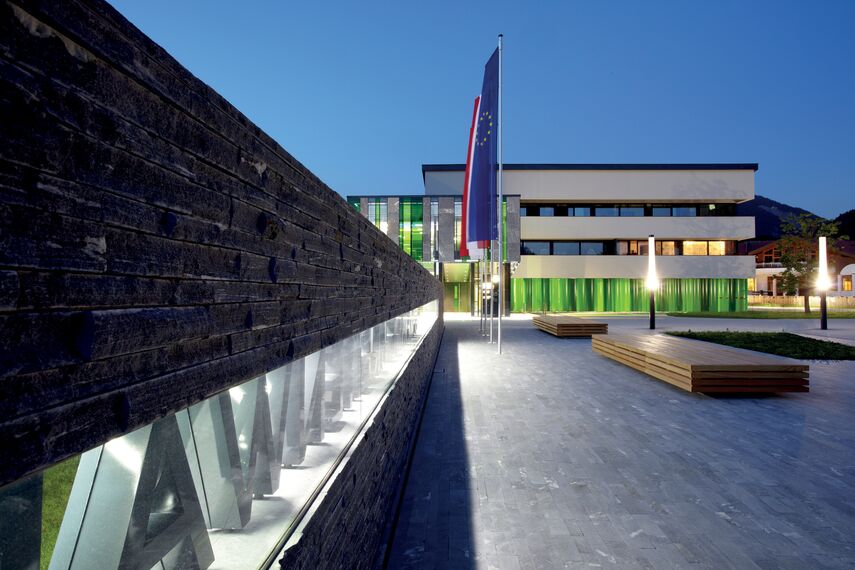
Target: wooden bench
[(567, 326), (698, 366)]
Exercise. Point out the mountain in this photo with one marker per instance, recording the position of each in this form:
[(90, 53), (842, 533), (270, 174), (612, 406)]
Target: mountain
[(847, 224), (768, 215)]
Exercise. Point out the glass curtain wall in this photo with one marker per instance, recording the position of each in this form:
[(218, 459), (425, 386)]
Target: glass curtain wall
[(220, 484), (458, 226), (411, 227), (627, 295), (377, 213), (456, 286)]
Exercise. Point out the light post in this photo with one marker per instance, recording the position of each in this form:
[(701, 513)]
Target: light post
[(823, 283), (652, 279)]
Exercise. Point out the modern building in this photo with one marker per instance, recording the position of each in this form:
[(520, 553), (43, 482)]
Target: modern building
[(576, 234)]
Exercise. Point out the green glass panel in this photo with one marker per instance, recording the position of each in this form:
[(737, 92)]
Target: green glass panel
[(417, 229), (354, 202), (627, 295), (455, 272), (404, 233)]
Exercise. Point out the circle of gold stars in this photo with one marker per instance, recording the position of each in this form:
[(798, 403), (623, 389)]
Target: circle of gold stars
[(485, 121)]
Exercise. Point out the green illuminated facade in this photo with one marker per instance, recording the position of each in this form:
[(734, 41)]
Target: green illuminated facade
[(575, 236), (411, 227), (536, 295)]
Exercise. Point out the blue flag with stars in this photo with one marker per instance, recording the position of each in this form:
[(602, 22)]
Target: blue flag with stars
[(481, 222)]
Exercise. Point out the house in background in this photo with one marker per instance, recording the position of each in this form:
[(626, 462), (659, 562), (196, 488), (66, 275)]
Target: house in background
[(767, 276)]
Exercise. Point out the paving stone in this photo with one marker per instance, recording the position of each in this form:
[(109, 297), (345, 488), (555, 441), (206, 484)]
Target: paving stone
[(551, 456)]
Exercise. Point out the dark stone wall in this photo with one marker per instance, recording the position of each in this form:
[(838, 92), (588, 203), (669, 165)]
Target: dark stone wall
[(345, 527), (156, 247)]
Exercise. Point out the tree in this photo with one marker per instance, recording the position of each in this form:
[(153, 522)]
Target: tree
[(799, 251)]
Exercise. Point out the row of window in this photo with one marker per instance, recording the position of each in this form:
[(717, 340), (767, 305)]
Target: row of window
[(627, 247), (633, 211)]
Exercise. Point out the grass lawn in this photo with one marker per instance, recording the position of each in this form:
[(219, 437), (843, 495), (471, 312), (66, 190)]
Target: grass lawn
[(771, 314), (780, 343), (55, 492)]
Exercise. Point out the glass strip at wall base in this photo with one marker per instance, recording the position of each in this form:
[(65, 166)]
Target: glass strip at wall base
[(219, 484), (537, 295)]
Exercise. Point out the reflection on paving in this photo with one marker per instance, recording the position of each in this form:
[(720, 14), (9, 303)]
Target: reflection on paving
[(555, 457)]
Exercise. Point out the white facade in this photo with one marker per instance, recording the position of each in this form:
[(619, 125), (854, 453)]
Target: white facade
[(630, 185), (607, 266), (590, 228), (615, 186)]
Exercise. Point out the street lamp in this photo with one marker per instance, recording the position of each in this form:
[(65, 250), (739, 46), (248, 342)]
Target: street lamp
[(652, 279), (823, 283)]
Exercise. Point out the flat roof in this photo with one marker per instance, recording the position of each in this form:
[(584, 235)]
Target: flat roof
[(354, 196), (582, 166)]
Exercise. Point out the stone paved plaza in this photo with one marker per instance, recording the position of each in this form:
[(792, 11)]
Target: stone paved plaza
[(554, 457)]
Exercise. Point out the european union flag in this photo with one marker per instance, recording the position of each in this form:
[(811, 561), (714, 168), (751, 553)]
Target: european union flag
[(481, 210)]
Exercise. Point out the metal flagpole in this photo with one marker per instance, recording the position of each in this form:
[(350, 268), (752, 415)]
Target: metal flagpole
[(499, 214), (490, 277)]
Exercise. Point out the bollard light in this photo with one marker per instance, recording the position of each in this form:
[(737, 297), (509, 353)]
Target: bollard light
[(823, 283), (652, 279)]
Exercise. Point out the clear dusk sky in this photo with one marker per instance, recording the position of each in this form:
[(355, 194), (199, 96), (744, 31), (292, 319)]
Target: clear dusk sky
[(365, 92)]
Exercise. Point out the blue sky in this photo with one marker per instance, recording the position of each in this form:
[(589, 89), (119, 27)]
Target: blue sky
[(363, 93)]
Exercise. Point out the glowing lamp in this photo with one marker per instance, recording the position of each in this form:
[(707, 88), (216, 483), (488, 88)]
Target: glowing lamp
[(652, 280), (823, 282)]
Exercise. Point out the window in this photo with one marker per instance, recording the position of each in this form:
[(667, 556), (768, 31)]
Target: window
[(661, 211), (626, 247), (535, 248), (694, 248), (667, 248), (565, 248), (458, 226), (582, 211), (642, 247), (434, 227), (752, 285), (846, 282), (547, 211), (716, 248), (685, 211), (605, 211), (631, 211), (562, 211), (591, 248)]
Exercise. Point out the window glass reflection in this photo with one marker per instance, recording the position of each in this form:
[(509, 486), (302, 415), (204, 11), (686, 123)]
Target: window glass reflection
[(565, 248), (535, 248), (606, 211), (592, 248)]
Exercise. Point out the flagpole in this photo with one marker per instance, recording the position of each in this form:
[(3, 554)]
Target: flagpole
[(491, 285), (500, 208)]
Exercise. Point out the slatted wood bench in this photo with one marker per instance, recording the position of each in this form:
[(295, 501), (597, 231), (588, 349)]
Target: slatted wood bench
[(567, 326), (698, 366)]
